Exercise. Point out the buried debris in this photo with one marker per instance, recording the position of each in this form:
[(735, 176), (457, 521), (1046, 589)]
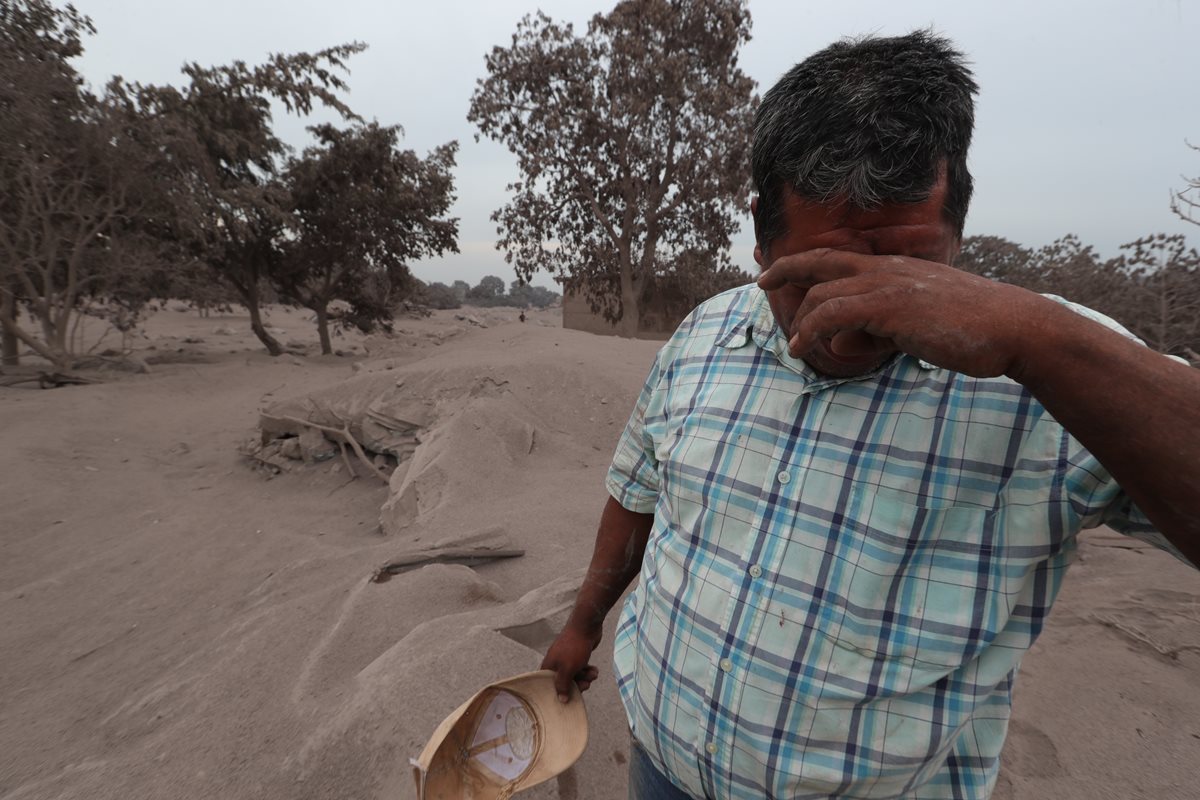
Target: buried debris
[(369, 419), (466, 556), (343, 438), (473, 550), (47, 380), (315, 443)]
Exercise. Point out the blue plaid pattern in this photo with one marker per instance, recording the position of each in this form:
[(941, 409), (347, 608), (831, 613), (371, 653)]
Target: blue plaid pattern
[(843, 574)]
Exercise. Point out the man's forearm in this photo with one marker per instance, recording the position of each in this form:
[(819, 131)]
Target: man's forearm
[(1136, 411), (616, 560)]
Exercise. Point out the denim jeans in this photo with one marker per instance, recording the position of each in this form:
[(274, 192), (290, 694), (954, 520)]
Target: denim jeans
[(646, 782)]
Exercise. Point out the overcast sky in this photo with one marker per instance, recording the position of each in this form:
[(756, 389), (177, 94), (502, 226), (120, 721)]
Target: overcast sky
[(1082, 115)]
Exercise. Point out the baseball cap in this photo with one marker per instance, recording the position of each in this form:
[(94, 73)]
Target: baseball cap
[(511, 735)]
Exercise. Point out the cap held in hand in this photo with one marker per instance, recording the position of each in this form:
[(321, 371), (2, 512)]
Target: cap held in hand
[(511, 735)]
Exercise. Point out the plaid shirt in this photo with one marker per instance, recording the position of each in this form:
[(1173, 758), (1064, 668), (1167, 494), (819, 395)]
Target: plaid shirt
[(843, 574)]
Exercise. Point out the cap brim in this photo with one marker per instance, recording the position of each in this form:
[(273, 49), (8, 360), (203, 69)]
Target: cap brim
[(563, 725)]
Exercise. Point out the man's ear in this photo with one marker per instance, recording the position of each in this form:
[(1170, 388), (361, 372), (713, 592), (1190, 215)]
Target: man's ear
[(758, 253)]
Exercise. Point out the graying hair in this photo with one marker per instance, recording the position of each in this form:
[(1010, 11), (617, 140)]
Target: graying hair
[(867, 121)]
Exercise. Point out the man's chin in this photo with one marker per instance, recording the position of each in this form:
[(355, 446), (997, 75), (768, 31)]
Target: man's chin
[(825, 361)]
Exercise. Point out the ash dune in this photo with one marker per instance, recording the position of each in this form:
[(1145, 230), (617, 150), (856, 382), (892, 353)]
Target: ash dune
[(176, 624)]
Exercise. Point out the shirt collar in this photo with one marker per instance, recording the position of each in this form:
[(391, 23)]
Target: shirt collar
[(755, 323)]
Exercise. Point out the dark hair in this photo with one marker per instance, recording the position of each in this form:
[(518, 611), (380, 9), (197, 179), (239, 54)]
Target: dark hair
[(870, 121)]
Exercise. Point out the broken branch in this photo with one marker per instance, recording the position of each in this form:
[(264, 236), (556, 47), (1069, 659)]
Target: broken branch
[(344, 436)]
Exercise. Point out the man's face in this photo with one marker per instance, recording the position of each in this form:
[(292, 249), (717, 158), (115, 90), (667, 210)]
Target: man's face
[(918, 230)]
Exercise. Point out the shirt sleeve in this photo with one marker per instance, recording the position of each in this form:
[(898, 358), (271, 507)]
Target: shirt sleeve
[(633, 479), (1094, 496), (1096, 499)]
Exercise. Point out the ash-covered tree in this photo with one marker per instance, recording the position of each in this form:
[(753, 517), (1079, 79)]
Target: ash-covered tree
[(1162, 297), (1186, 201), (192, 281), (996, 258), (229, 208), (438, 295), (488, 292), (522, 295), (75, 176), (1069, 268), (40, 94), (692, 277), (362, 208), (632, 142)]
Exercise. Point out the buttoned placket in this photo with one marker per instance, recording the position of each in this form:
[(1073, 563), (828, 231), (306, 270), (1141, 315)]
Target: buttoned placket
[(782, 484)]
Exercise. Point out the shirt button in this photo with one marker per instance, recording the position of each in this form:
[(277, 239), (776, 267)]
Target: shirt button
[(726, 664), (783, 476), (711, 748), (755, 571)]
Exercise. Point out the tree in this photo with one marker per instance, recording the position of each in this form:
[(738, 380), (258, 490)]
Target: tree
[(439, 295), (521, 294), (632, 141), (39, 91), (487, 291), (229, 208), (541, 297), (996, 258), (192, 281), (76, 177), (524, 295), (694, 276), (1186, 202), (362, 207), (1073, 270), (1163, 296)]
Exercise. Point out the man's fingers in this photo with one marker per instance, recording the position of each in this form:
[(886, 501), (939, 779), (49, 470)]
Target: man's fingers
[(815, 266), (585, 677), (818, 295), (562, 679), (831, 317)]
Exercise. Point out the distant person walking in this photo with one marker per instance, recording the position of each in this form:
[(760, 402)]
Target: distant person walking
[(852, 491)]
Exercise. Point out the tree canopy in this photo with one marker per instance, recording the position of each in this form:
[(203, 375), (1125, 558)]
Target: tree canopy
[(361, 210), (632, 143), (148, 190), (77, 185), (1152, 288), (228, 208)]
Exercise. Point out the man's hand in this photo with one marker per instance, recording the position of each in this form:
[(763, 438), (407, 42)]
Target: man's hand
[(932, 311), (620, 544), (568, 657)]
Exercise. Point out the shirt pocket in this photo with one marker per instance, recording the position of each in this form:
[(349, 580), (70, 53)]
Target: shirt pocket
[(922, 590)]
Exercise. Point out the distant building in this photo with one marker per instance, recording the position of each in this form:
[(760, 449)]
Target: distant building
[(660, 316), (668, 301)]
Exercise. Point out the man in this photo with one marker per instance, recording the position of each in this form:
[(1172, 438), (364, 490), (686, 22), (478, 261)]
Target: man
[(852, 491)]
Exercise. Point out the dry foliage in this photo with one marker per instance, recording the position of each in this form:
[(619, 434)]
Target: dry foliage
[(1153, 288), (631, 140)]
